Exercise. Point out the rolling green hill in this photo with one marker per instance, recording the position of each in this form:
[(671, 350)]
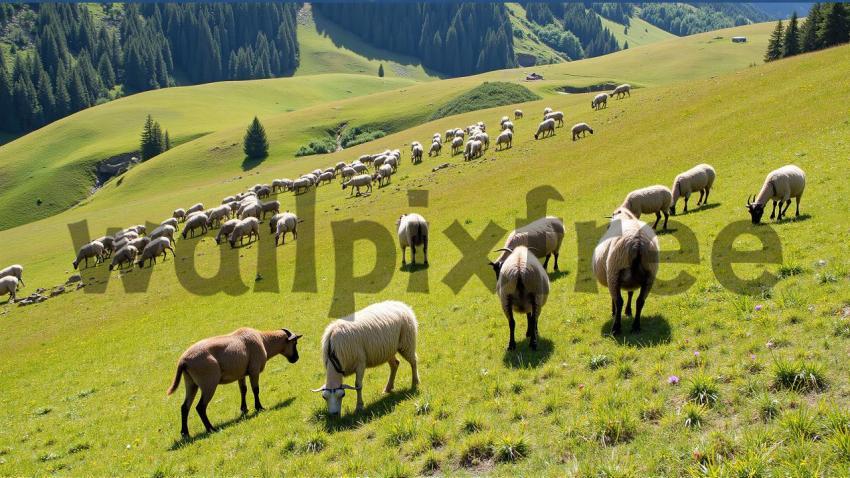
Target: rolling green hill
[(84, 374), (54, 164)]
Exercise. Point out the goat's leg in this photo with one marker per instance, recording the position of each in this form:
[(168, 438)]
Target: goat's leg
[(207, 392), (255, 387), (243, 390), (509, 311), (191, 390)]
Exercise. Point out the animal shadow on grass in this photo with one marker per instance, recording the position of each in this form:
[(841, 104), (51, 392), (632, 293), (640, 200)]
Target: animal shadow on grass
[(655, 330), (524, 357), (557, 275), (792, 218), (181, 442), (377, 409), (664, 232), (701, 208), (413, 267)]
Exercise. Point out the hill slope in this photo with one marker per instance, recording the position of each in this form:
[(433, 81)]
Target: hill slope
[(585, 402)]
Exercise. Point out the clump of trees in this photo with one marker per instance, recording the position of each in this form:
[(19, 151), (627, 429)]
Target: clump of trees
[(827, 25), (154, 140)]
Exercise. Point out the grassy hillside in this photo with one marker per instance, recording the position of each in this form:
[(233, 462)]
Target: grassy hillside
[(84, 374), (327, 48), (54, 164), (639, 32)]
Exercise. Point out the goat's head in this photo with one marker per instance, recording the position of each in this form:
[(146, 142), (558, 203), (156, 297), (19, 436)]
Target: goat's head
[(290, 346), (755, 209)]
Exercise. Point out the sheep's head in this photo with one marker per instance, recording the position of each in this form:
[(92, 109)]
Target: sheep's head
[(333, 395), (755, 209), (290, 347)]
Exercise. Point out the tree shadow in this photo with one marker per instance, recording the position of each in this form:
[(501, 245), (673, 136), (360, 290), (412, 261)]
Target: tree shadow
[(524, 357), (184, 441), (377, 409), (655, 330), (251, 163)]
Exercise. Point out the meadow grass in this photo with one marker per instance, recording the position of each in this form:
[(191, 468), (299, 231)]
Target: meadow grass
[(84, 374)]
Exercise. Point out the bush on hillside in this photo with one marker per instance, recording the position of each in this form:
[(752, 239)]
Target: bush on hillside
[(487, 95)]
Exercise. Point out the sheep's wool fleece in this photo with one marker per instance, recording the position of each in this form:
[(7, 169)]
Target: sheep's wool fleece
[(624, 239), (522, 268)]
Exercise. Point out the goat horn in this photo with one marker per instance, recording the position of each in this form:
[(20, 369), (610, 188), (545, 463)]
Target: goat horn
[(320, 389), (505, 249)]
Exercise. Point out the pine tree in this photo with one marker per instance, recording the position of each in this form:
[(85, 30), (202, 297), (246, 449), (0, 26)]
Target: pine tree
[(835, 28), (791, 42), (381, 70), (166, 142), (150, 145), (626, 45), (774, 45), (255, 144), (8, 121), (809, 38)]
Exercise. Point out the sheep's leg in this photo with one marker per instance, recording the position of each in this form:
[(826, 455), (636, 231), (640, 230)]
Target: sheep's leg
[(243, 390), (629, 304), (657, 218), (403, 260), (425, 247), (509, 311), (535, 313), (546, 261), (358, 383), (687, 196), (413, 254), (393, 363), (785, 211), (773, 213), (796, 214), (191, 390), (644, 291), (255, 388), (666, 217), (617, 305)]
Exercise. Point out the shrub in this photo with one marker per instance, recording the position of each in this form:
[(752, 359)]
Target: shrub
[(319, 146)]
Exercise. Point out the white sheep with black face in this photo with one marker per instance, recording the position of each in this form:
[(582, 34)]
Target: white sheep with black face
[(779, 186), (599, 101), (546, 126), (581, 130), (699, 178)]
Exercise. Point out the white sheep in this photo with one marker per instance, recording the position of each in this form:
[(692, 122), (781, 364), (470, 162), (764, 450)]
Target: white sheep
[(412, 233), (436, 147), (270, 206), (301, 184), (543, 237), (108, 244), (626, 258), (522, 286), (450, 135), (348, 172), (126, 254), (218, 214), (367, 338), (9, 285), (357, 182), (15, 270), (379, 160), (339, 166), (459, 133), (326, 177), (517, 114), (504, 120), (416, 155), (508, 125), (484, 138), (558, 116), (92, 249), (287, 222), (546, 126), (653, 199), (779, 186), (230, 199), (156, 247), (226, 229), (359, 168), (139, 243), (581, 129), (250, 226), (699, 178), (622, 90), (166, 230), (392, 161), (383, 173), (473, 149), (170, 222), (457, 145), (196, 207), (505, 138), (198, 221), (599, 101), (546, 111)]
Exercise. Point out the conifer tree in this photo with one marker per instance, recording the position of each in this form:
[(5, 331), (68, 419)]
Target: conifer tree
[(381, 70), (791, 41), (774, 45), (256, 144)]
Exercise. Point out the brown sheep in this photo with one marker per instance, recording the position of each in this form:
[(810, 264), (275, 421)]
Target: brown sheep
[(227, 359)]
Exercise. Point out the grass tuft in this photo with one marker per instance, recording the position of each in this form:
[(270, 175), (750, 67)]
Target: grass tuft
[(316, 443), (798, 376), (599, 361), (693, 415), (703, 390), (800, 425), (476, 451), (510, 449)]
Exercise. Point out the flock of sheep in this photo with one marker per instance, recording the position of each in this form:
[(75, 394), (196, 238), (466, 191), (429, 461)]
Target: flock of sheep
[(626, 258)]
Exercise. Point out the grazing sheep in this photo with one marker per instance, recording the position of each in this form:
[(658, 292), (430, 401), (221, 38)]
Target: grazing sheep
[(546, 111), (326, 177), (450, 135), (622, 90), (362, 180), (507, 125), (226, 359), (348, 172), (378, 161), (581, 129), (522, 286), (250, 226), (199, 221), (332, 170), (457, 144), (505, 138), (653, 199), (156, 247), (126, 254), (547, 126), (128, 235), (416, 155), (359, 168), (366, 158), (459, 133), (543, 237), (170, 222), (9, 285), (558, 116), (108, 245), (271, 206), (139, 243), (264, 192), (138, 229), (626, 258), (412, 233), (504, 120), (392, 161), (367, 338), (16, 271), (436, 147), (226, 229), (339, 166), (413, 145), (163, 231), (195, 208), (779, 186), (599, 101), (301, 184), (92, 249), (517, 114), (384, 172), (287, 222), (484, 138), (279, 185), (218, 214), (230, 199), (699, 178), (317, 172), (473, 150)]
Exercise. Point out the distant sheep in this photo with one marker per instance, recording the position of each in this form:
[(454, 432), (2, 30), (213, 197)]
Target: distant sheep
[(517, 114), (546, 126), (225, 359), (326, 177), (626, 258), (9, 285), (166, 230), (170, 222), (581, 129), (436, 147), (546, 111), (301, 184), (474, 149), (412, 233), (416, 155), (249, 226), (15, 270), (504, 120), (507, 125), (484, 138), (599, 101), (359, 168), (522, 286), (558, 116), (780, 186), (457, 145), (357, 182), (199, 221), (367, 338), (622, 90), (127, 255), (505, 138), (653, 199), (348, 172), (287, 222), (156, 247), (699, 178), (108, 244), (383, 175), (92, 249)]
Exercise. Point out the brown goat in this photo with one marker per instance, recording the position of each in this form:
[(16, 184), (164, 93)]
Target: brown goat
[(226, 359)]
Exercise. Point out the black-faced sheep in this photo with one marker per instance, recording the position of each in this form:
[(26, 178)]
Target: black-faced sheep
[(780, 186), (92, 249), (412, 233), (108, 244), (287, 222), (699, 178), (542, 237), (226, 359), (626, 258), (156, 247), (250, 226), (357, 182), (522, 286), (653, 199), (581, 130), (368, 338), (270, 206), (546, 126), (517, 114)]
